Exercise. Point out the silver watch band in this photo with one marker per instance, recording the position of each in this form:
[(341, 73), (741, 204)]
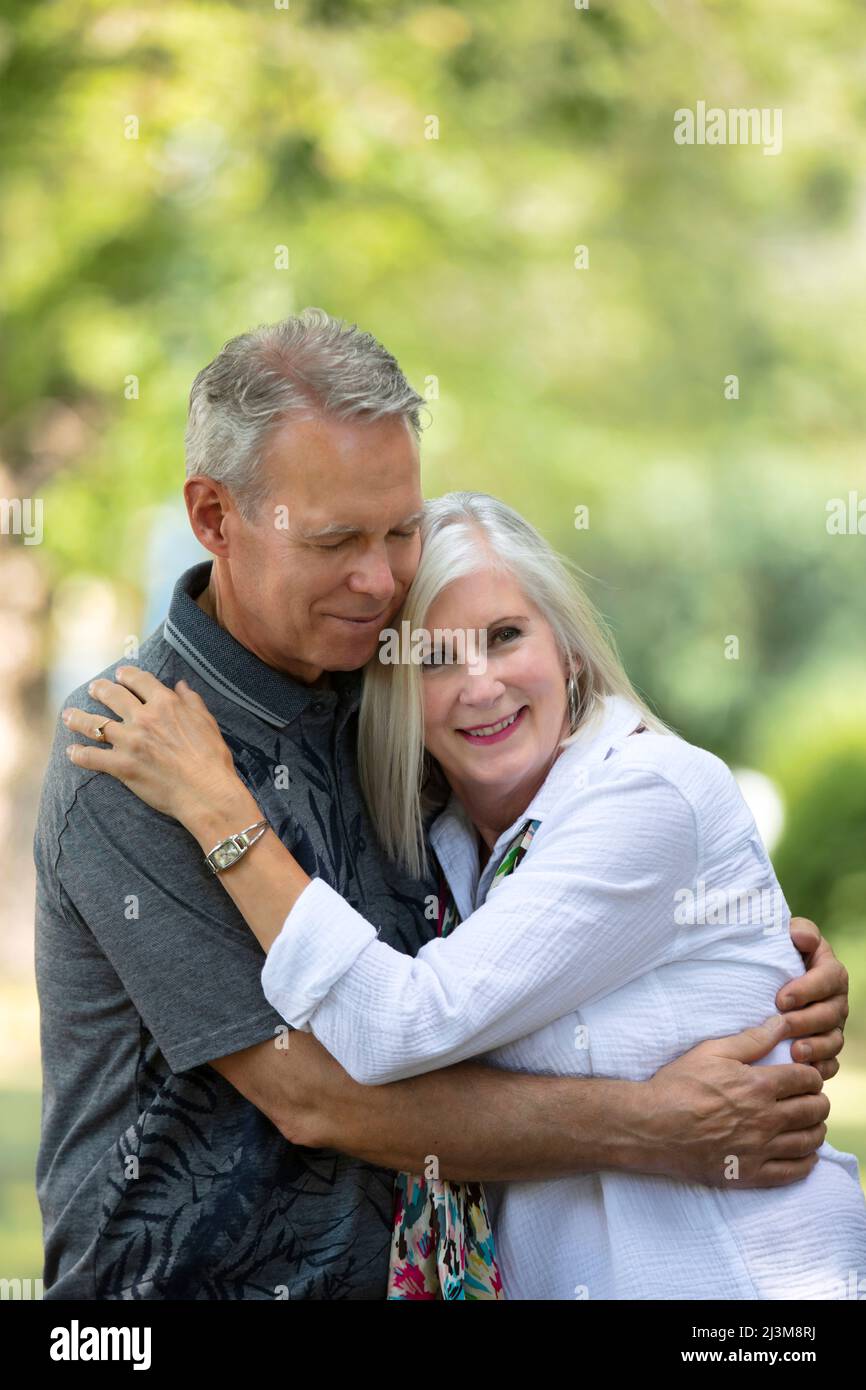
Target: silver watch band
[(229, 851)]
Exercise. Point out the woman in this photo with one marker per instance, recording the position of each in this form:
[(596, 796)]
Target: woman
[(617, 907)]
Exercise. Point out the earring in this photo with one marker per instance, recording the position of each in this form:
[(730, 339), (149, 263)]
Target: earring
[(573, 700)]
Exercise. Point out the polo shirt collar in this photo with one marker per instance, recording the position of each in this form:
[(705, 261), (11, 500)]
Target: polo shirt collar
[(233, 670)]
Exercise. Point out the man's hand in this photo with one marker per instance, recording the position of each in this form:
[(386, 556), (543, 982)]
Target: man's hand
[(816, 1004), (710, 1106), (490, 1124)]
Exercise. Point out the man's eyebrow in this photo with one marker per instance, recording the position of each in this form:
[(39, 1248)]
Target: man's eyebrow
[(338, 528)]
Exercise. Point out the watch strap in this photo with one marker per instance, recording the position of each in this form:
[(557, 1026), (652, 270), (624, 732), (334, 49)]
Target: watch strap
[(234, 847)]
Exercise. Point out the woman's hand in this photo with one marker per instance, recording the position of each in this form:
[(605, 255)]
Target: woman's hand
[(166, 746)]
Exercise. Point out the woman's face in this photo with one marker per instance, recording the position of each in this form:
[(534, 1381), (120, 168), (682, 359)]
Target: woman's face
[(522, 680)]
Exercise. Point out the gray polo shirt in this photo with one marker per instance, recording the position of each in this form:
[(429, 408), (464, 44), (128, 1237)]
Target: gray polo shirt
[(156, 1178)]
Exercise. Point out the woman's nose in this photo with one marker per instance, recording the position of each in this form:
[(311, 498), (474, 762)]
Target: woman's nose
[(479, 689)]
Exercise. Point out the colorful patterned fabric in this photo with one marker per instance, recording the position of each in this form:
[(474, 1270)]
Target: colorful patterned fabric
[(442, 1246)]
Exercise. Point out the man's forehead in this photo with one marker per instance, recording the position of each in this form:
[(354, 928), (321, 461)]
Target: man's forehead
[(309, 443)]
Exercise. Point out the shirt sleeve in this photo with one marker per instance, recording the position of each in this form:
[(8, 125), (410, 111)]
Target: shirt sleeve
[(135, 880), (590, 908)]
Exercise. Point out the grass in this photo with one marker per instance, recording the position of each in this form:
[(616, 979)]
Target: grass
[(20, 1221)]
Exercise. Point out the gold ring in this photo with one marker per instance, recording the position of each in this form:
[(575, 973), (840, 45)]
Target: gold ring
[(99, 728)]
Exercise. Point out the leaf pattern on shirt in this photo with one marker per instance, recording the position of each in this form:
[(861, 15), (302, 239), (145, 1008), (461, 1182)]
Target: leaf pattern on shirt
[(219, 1205), (254, 1214), (335, 852), (194, 1222)]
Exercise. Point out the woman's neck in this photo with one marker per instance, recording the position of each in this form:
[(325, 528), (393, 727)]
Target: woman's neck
[(483, 852), (491, 812)]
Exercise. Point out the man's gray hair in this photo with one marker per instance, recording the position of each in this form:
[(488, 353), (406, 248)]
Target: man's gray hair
[(306, 365)]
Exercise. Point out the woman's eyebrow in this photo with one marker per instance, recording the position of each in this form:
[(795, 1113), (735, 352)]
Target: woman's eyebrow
[(509, 618)]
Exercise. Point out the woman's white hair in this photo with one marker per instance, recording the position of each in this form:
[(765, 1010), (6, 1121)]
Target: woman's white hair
[(462, 533), (307, 364)]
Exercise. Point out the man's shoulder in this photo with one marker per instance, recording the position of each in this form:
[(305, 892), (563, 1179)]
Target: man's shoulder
[(64, 782), (155, 655)]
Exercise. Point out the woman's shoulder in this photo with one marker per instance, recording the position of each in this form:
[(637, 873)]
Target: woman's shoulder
[(655, 774), (653, 798), (704, 780)]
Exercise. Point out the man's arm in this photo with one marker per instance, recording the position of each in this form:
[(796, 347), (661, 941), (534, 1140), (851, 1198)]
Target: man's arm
[(486, 1123)]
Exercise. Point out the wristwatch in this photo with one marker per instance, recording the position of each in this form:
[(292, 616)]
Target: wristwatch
[(229, 851)]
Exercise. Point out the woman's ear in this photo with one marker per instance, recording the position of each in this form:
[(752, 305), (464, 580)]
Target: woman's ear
[(567, 670)]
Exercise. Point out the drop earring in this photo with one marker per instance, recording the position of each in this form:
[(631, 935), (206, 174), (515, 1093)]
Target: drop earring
[(573, 701)]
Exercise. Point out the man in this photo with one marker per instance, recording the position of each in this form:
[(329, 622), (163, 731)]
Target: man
[(186, 1151)]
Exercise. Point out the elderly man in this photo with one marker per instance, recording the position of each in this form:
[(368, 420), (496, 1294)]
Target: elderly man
[(187, 1151)]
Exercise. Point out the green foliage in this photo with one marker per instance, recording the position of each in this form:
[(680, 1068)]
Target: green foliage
[(306, 127)]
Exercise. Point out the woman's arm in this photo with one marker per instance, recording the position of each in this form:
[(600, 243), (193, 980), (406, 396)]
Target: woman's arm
[(266, 882), (526, 957), (590, 909)]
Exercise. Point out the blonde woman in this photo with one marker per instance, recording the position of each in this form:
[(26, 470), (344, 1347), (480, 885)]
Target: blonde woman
[(615, 906)]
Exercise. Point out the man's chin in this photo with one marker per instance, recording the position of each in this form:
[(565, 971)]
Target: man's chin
[(349, 652)]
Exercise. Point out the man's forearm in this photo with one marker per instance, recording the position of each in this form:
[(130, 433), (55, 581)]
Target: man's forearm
[(481, 1122), (485, 1123)]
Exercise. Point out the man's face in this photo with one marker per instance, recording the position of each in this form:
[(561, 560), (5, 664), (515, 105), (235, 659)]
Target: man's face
[(327, 561)]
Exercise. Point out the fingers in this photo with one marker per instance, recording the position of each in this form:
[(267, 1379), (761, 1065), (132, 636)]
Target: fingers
[(798, 1143), (819, 1048), (827, 1069), (80, 722), (191, 696), (114, 697), (781, 1172), (805, 935), (825, 978), (793, 1079), (95, 759), (824, 1017), (800, 1112), (144, 685), (752, 1043)]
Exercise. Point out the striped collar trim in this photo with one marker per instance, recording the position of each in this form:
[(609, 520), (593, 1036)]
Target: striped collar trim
[(231, 668)]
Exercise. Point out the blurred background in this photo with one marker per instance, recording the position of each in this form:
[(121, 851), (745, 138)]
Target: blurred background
[(653, 350)]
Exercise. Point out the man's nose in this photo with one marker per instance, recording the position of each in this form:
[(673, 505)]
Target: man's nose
[(373, 575)]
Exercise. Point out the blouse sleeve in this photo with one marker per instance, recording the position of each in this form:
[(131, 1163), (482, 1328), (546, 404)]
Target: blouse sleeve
[(590, 908)]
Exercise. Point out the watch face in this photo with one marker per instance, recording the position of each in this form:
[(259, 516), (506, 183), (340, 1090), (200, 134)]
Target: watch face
[(225, 855)]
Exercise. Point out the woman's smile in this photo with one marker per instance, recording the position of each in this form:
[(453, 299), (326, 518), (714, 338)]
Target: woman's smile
[(494, 731)]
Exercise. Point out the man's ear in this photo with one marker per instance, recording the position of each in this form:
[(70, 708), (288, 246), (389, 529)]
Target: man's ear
[(208, 504)]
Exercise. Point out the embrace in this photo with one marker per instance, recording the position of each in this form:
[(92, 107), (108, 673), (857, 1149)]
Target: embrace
[(366, 979)]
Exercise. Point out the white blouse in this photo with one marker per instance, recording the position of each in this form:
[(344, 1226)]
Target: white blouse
[(644, 918)]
